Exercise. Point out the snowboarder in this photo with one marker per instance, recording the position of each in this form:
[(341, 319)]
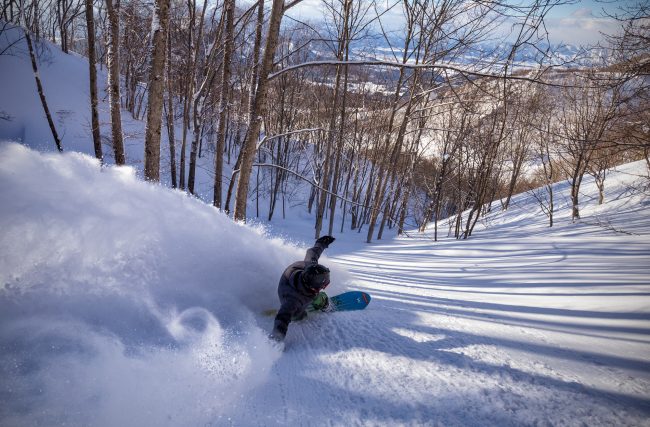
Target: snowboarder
[(301, 284)]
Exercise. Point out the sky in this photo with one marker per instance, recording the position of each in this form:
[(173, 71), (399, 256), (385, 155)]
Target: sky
[(584, 22), (580, 22)]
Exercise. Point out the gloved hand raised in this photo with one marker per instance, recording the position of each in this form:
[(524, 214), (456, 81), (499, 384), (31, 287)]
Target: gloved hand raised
[(325, 240)]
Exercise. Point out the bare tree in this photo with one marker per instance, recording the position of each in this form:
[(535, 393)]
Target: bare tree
[(156, 88), (193, 44), (113, 56), (330, 175), (229, 6), (92, 71), (545, 143), (588, 111), (517, 151), (257, 111), (41, 94), (171, 133), (66, 12)]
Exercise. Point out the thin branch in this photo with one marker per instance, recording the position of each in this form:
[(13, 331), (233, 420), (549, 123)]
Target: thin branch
[(268, 138), (310, 181), (291, 4)]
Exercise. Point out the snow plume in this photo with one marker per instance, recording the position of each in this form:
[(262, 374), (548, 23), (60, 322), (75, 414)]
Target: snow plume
[(122, 303)]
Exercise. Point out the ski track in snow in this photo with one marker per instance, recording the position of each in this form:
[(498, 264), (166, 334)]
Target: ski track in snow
[(411, 360), (507, 328)]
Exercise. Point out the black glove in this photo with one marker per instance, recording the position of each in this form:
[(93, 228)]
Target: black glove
[(325, 240)]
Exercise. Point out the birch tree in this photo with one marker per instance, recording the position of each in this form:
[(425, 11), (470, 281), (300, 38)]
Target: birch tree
[(224, 95), (156, 90), (257, 111), (41, 93), (92, 72), (113, 55)]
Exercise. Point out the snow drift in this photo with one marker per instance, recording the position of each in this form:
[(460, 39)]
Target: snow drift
[(122, 303)]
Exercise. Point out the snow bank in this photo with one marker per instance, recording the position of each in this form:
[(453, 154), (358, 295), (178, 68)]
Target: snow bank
[(122, 303)]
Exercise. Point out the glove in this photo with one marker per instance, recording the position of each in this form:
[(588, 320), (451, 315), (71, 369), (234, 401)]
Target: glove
[(321, 302), (325, 240)]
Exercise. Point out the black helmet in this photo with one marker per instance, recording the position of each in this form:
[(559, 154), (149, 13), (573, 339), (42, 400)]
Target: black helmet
[(316, 277)]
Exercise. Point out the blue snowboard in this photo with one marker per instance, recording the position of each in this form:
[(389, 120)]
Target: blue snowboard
[(347, 301)]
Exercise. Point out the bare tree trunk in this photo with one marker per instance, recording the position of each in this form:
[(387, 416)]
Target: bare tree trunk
[(257, 46), (345, 50), (576, 181), (189, 88), (156, 91), (277, 183), (223, 102), (231, 185), (41, 94), (381, 184), (251, 97), (259, 107), (548, 175), (92, 71), (114, 79), (325, 179), (171, 135), (195, 102), (181, 171), (404, 209)]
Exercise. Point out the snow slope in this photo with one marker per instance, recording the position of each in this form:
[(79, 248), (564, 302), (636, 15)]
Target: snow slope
[(66, 86), (124, 303)]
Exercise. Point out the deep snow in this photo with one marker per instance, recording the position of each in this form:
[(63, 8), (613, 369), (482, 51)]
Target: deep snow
[(124, 303)]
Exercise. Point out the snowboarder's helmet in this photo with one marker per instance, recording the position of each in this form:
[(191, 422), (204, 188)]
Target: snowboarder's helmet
[(316, 277)]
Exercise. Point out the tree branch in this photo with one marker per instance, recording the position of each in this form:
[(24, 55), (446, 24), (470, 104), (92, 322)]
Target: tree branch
[(268, 138), (291, 4), (379, 62)]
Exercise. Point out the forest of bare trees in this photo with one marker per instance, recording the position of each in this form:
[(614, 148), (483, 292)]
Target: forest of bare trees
[(380, 138)]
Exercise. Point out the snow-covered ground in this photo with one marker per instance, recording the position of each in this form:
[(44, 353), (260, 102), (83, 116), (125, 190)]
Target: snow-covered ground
[(125, 303)]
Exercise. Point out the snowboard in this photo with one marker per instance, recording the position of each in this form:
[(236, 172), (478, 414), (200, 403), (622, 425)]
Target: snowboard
[(347, 301)]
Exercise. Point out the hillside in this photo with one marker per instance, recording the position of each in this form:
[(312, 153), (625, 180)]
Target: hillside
[(66, 85), (124, 303), (128, 303)]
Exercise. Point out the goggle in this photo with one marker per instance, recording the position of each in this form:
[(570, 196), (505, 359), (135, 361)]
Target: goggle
[(321, 287)]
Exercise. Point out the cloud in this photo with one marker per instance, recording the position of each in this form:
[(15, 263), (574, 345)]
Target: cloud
[(582, 27), (583, 12)]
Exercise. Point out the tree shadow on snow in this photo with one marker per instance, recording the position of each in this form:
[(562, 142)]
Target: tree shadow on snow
[(311, 341)]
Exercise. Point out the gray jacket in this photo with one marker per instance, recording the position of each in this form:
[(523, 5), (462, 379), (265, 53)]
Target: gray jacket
[(294, 295)]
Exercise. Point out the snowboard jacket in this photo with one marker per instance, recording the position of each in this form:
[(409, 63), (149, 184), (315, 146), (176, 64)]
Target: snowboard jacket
[(294, 295)]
